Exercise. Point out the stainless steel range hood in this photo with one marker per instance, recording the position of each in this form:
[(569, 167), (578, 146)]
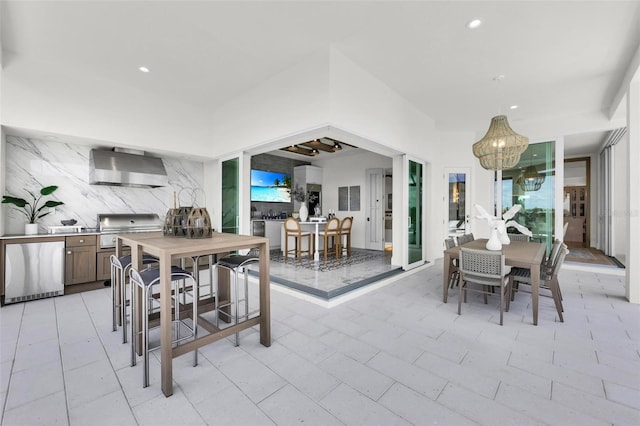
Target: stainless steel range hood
[(124, 169)]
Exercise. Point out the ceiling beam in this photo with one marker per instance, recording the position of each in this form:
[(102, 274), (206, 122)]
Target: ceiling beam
[(297, 149), (320, 146)]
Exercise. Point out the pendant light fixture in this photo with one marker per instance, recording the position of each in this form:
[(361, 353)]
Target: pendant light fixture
[(501, 147), (531, 179)]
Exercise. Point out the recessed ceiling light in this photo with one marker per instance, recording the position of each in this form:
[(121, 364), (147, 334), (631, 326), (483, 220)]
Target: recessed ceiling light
[(144, 69), (513, 107), (474, 24)]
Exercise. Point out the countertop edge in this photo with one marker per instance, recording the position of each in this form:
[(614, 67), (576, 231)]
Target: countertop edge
[(47, 235)]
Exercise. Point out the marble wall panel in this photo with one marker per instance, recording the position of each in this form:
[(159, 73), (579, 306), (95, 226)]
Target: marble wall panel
[(33, 164)]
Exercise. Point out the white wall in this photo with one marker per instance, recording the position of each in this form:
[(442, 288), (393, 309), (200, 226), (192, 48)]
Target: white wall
[(349, 170), (291, 102)]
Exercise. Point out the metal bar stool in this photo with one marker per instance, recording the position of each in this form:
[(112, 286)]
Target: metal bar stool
[(145, 280), (234, 263), (119, 267)]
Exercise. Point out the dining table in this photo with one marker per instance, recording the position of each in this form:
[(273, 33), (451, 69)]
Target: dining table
[(519, 254), (169, 249)]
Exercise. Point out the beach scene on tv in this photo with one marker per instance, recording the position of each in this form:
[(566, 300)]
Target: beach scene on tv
[(272, 187)]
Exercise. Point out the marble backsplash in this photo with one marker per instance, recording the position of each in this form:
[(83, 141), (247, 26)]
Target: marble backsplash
[(33, 164)]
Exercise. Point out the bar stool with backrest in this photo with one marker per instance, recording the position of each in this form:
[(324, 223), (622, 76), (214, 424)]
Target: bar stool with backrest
[(345, 231), (235, 263), (331, 232), (487, 270), (145, 280), (119, 269), (292, 229)]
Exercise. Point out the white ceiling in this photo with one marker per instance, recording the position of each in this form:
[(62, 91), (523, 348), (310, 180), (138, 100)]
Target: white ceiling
[(559, 58)]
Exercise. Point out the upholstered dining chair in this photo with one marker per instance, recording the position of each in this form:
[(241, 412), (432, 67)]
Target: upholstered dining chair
[(487, 270), (292, 229), (331, 233), (345, 235)]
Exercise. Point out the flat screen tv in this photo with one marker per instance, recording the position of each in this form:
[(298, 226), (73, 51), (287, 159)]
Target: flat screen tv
[(272, 187)]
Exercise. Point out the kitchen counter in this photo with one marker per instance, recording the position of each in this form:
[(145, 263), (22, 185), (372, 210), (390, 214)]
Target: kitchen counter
[(47, 235)]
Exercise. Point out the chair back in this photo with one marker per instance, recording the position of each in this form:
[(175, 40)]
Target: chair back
[(551, 260), (464, 239), (482, 266), (518, 237), (291, 226), (449, 243), (332, 225), (345, 225), (559, 260)]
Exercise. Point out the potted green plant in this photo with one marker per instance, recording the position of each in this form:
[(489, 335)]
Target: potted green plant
[(33, 209)]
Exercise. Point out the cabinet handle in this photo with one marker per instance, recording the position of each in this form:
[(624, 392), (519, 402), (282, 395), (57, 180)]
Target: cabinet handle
[(69, 252), (82, 241)]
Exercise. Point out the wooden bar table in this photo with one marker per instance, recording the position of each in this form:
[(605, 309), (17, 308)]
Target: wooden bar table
[(519, 254), (168, 249)]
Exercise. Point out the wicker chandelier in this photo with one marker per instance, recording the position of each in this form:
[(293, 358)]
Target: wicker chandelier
[(501, 147), (531, 180)]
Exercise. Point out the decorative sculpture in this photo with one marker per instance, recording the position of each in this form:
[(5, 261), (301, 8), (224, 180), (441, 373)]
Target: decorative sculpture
[(499, 226)]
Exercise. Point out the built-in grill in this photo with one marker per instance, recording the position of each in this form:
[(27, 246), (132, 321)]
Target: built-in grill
[(112, 224)]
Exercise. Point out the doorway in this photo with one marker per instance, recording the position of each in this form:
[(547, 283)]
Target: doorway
[(458, 203), (576, 202)]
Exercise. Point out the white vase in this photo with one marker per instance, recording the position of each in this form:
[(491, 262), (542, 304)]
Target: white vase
[(30, 228), (494, 241), (304, 213)]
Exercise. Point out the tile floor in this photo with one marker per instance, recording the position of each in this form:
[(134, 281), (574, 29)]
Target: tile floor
[(327, 283), (396, 355)]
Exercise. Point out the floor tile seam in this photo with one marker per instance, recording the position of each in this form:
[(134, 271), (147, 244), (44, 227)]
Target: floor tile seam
[(194, 408), (564, 383), (601, 376), (619, 402), (535, 415), (342, 350), (599, 415), (493, 400), (36, 400), (460, 383), (108, 358), (407, 385), (378, 403), (64, 381)]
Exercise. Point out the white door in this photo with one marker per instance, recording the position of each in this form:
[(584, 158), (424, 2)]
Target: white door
[(457, 201), (374, 204)]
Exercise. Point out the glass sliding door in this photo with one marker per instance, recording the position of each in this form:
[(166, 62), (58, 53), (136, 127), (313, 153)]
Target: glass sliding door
[(457, 205), (231, 196), (415, 178), (531, 183)]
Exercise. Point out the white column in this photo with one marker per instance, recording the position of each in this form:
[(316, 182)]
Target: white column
[(633, 195)]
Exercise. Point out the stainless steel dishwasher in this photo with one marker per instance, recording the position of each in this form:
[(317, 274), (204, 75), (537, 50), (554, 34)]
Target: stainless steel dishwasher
[(33, 270)]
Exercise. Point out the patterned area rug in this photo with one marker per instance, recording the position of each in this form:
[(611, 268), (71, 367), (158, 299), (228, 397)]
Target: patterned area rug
[(357, 256)]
